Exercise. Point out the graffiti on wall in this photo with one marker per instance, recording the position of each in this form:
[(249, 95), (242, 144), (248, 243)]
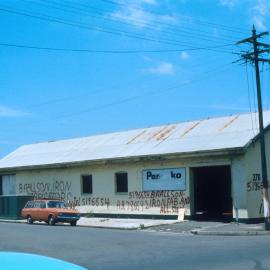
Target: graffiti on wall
[(255, 184), (60, 190), (51, 190), (91, 201), (168, 202)]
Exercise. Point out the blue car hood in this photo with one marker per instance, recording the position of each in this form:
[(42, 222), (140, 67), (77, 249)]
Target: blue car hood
[(25, 261)]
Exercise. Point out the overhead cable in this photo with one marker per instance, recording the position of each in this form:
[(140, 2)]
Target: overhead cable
[(87, 27), (110, 51)]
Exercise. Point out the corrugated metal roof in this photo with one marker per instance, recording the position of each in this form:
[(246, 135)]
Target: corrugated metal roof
[(205, 135)]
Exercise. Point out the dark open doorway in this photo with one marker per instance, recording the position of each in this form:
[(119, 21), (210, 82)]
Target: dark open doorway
[(212, 193)]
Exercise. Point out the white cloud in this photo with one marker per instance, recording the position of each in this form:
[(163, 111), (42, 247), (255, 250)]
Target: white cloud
[(150, 2), (260, 14), (262, 8), (146, 58), (215, 32), (135, 14), (9, 112), (163, 68), (132, 15), (228, 3), (184, 56), (259, 22)]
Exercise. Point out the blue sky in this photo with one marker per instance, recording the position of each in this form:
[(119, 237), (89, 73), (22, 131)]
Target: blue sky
[(146, 63)]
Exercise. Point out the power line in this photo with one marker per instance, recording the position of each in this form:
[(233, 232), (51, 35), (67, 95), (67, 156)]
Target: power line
[(79, 25), (130, 21), (109, 51), (152, 93), (110, 31), (207, 23), (200, 33), (74, 97), (87, 27), (76, 24), (129, 99), (204, 76)]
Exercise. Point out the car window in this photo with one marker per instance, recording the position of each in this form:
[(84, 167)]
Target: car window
[(29, 204), (56, 204), (42, 205), (37, 204)]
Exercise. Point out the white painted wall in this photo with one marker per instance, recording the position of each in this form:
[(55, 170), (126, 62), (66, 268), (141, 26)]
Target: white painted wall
[(65, 183), (239, 193), (253, 177)]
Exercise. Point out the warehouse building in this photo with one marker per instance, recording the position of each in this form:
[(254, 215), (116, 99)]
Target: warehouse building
[(207, 169)]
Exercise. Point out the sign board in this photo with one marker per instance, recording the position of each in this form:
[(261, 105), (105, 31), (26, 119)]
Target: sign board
[(164, 179)]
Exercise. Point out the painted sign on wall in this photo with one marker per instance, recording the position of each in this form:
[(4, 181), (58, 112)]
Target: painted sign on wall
[(58, 189), (164, 179), (167, 202)]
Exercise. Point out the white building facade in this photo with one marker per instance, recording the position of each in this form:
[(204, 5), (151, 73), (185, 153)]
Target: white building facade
[(208, 169)]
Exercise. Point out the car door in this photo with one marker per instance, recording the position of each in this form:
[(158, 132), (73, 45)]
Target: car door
[(43, 216), (35, 210)]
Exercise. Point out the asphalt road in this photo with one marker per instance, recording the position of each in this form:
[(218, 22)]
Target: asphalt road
[(118, 249)]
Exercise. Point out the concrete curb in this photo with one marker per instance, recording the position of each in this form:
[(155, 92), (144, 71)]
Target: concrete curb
[(109, 228), (78, 225), (230, 233), (13, 220), (127, 228)]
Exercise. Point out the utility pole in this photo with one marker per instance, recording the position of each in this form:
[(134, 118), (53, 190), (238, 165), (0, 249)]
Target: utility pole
[(255, 57)]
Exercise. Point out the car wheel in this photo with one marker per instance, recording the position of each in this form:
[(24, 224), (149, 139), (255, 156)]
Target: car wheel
[(51, 220), (73, 223), (29, 220)]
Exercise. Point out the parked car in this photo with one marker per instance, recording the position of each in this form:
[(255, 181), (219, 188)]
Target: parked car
[(25, 261), (50, 211)]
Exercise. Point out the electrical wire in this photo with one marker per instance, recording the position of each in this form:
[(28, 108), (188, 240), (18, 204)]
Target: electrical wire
[(109, 51), (87, 27), (131, 21), (74, 97), (207, 23), (78, 25), (205, 75), (122, 33), (152, 93), (199, 33), (72, 23)]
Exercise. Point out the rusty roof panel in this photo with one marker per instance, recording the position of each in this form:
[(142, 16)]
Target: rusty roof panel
[(134, 139), (157, 133), (166, 133), (194, 125), (229, 123)]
